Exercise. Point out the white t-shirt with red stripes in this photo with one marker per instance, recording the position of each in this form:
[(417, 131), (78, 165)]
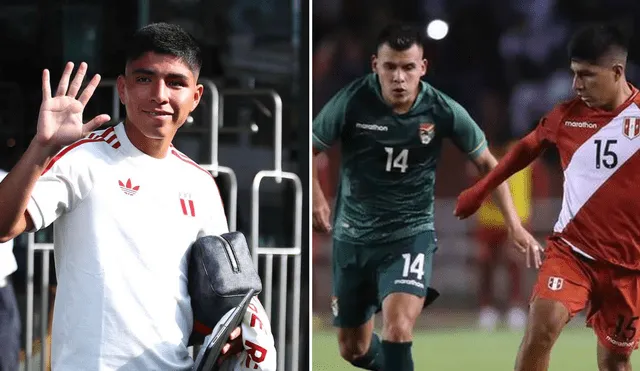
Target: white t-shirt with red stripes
[(123, 225)]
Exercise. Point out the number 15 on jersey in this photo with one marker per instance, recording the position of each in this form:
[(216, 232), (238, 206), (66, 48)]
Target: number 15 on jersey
[(397, 160)]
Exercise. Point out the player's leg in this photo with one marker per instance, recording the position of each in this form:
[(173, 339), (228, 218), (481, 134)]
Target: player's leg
[(562, 290), (404, 275), (487, 264), (353, 306), (609, 360), (516, 314), (545, 322), (360, 346), (399, 313), (615, 323), (357, 342)]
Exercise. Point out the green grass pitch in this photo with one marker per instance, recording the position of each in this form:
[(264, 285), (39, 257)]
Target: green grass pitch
[(460, 350)]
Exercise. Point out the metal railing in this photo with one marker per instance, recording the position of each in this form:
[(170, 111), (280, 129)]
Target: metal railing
[(283, 252), (46, 249), (214, 167)]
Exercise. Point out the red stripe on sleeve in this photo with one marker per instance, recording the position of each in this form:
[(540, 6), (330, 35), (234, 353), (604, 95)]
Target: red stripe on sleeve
[(66, 150)]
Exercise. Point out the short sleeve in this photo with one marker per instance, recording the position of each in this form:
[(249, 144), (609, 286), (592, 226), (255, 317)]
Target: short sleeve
[(466, 134), (328, 124), (63, 185)]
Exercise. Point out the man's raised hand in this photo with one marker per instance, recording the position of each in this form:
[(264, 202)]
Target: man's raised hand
[(60, 120)]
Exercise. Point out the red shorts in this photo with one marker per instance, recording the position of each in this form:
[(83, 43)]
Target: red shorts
[(611, 294)]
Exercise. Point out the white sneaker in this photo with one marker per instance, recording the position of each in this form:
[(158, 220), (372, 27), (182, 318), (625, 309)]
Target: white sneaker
[(488, 320), (516, 318)]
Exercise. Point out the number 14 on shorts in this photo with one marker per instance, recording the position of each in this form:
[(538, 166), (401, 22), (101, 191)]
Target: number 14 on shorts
[(413, 267)]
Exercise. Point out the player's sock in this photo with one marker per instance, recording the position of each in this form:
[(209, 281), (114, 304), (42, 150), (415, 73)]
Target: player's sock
[(397, 356), (374, 359)]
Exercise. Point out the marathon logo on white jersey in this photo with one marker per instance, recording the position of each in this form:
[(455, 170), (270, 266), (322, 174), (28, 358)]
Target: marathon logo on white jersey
[(581, 124), (373, 127)]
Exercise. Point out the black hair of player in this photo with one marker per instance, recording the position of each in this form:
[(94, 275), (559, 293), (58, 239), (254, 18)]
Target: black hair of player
[(168, 39), (594, 41), (400, 37)]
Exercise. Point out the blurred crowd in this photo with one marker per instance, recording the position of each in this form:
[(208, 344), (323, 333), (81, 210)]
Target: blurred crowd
[(504, 60)]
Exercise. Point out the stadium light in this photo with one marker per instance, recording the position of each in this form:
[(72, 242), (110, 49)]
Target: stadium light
[(437, 29)]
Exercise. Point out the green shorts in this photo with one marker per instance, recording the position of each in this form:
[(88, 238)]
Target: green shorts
[(363, 275)]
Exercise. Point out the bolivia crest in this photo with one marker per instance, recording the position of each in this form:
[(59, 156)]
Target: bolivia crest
[(427, 131)]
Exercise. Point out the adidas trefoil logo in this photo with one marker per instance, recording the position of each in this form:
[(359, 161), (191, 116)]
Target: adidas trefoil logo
[(127, 188)]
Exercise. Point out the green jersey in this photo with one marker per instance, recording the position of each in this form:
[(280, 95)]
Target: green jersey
[(388, 160)]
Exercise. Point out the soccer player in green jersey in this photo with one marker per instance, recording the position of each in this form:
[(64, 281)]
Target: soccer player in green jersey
[(391, 126)]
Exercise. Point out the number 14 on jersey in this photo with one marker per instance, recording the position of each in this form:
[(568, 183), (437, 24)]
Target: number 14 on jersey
[(397, 162)]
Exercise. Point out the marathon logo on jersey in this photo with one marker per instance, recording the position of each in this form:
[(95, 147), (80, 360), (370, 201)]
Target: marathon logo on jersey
[(427, 131), (373, 127), (555, 283), (128, 188), (415, 283), (187, 205), (631, 127), (580, 124)]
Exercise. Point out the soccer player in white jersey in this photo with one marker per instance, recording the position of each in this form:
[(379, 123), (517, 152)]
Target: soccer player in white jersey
[(126, 207)]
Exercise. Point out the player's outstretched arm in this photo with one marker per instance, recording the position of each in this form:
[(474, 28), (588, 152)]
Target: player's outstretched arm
[(321, 210), (59, 124), (519, 157), (520, 237), (326, 131)]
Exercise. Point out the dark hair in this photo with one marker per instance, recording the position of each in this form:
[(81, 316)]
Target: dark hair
[(400, 37), (165, 38), (594, 41)]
